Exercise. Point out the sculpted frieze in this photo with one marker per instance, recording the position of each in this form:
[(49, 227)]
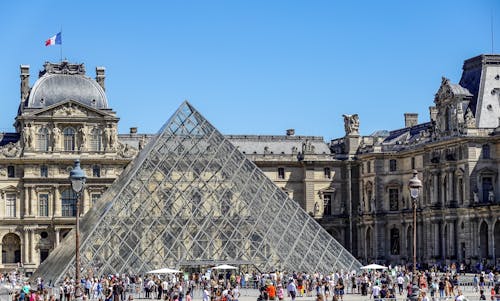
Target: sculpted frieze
[(69, 109), (11, 149)]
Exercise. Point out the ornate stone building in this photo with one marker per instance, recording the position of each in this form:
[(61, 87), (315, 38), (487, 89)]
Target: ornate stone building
[(456, 156), (355, 186), (63, 116)]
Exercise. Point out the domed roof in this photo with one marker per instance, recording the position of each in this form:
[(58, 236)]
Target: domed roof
[(52, 88)]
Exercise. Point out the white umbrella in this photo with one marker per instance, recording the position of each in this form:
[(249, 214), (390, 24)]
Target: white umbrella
[(164, 271), (224, 267), (374, 266)]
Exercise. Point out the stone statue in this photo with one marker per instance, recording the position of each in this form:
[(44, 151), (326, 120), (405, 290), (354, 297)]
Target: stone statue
[(142, 141), (470, 121), (308, 147), (83, 137), (491, 196), (113, 137), (351, 124), (56, 135), (476, 197)]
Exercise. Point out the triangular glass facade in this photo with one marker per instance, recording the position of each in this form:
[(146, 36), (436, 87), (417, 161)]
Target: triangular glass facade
[(191, 196)]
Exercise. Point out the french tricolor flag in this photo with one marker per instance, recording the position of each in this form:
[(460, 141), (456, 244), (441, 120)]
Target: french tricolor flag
[(54, 40)]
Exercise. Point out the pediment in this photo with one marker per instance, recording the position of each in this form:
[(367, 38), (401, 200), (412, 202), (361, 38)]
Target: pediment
[(70, 108), (9, 188)]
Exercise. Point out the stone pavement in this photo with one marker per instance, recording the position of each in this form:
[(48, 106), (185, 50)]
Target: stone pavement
[(251, 295)]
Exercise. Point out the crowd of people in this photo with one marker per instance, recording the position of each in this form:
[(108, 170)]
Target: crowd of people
[(393, 283)]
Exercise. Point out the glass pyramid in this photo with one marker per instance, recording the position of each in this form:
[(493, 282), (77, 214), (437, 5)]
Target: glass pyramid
[(191, 196)]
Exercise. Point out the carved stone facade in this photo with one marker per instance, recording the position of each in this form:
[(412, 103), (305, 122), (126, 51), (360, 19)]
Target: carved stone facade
[(53, 128), (456, 155)]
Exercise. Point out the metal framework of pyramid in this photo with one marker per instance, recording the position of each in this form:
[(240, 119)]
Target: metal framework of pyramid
[(192, 196)]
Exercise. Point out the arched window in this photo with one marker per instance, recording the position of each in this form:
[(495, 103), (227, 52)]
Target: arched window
[(42, 139), (96, 139), (69, 139), (68, 202)]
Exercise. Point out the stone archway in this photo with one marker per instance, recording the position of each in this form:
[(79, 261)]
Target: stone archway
[(483, 240), (496, 235), (11, 249)]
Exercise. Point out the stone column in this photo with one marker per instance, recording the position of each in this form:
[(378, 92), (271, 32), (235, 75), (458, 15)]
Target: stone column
[(32, 245), (57, 202), (26, 247), (491, 238), (57, 233), (452, 238), (34, 201), (85, 201), (26, 197), (1, 259), (435, 190)]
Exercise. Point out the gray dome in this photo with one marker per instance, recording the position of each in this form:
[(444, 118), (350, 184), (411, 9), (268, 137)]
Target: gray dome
[(50, 89)]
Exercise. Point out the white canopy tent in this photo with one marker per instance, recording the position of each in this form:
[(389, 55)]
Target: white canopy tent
[(224, 267), (374, 266), (164, 271)]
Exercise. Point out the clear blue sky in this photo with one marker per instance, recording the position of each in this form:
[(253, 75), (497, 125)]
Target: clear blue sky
[(253, 67)]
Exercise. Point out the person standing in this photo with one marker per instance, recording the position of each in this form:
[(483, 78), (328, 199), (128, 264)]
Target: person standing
[(292, 290), (206, 294)]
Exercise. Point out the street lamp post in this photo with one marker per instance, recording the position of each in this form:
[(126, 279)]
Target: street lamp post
[(414, 186), (77, 177)]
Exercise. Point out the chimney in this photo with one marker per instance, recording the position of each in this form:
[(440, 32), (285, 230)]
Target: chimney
[(290, 132), (25, 81), (433, 111), (411, 119), (99, 76), (133, 130)]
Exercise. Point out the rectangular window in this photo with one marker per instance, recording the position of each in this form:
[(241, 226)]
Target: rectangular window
[(327, 204), (11, 171), (44, 171), (413, 163), (368, 167), (281, 173), (10, 205), (486, 151), (392, 165), (393, 199), (95, 197), (43, 203), (328, 173), (96, 171)]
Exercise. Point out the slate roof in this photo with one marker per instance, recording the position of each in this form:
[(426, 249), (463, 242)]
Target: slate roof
[(256, 144), (459, 90), (50, 89)]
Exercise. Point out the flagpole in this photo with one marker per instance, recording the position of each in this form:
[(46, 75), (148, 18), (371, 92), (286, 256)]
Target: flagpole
[(60, 45)]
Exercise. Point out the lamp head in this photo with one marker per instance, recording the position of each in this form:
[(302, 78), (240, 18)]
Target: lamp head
[(77, 177), (414, 185)]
